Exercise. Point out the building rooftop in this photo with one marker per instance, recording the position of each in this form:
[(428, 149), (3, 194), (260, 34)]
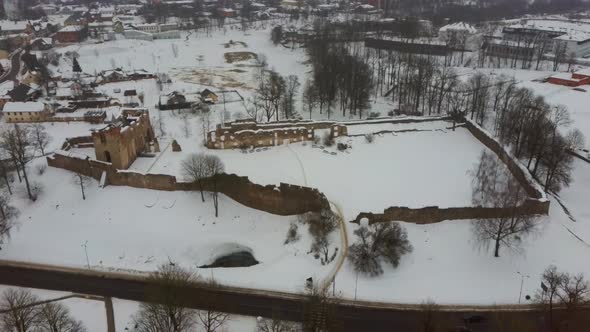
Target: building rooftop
[(35, 106), (459, 26)]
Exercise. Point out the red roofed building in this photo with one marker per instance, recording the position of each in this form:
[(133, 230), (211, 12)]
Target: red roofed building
[(581, 77)]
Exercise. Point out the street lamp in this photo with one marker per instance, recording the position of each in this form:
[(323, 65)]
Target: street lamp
[(522, 276), (356, 284), (85, 245)]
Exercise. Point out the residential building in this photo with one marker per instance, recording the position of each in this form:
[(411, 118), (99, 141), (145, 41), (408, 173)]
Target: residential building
[(17, 112)]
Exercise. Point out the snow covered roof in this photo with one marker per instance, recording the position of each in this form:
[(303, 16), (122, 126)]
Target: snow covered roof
[(72, 28), (573, 35), (6, 87), (585, 71), (459, 26), (35, 106)]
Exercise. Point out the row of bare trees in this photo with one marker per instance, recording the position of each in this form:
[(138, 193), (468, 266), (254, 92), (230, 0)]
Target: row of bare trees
[(169, 299), (22, 311), (539, 133), (18, 145), (341, 80), (275, 95), (568, 292)]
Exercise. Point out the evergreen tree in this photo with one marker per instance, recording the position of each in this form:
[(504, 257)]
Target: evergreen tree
[(76, 66)]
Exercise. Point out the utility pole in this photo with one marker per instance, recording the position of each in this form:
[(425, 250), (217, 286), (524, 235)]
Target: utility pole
[(521, 284), (85, 245), (356, 284)]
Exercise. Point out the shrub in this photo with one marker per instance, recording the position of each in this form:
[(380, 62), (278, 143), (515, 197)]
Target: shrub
[(379, 242), (373, 115), (316, 139), (292, 234), (328, 140), (370, 138), (41, 169), (342, 146), (37, 190)]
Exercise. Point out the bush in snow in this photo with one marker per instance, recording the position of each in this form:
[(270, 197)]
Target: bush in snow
[(41, 168), (380, 242), (373, 115), (370, 138), (327, 139), (316, 140), (342, 146), (37, 190), (320, 225), (292, 234)]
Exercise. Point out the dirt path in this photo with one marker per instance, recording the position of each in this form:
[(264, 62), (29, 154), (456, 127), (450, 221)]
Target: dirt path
[(343, 232)]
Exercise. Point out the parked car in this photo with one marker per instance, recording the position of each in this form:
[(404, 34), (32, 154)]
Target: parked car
[(579, 89)]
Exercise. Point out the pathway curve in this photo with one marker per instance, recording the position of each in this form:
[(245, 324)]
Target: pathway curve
[(343, 232)]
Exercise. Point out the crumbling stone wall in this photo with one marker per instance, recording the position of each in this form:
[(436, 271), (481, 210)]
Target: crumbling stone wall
[(536, 204), (281, 200), (121, 145), (434, 214), (247, 133)]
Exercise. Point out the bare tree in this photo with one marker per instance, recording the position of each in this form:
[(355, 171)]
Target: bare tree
[(20, 313), (4, 172), (167, 301), (55, 317), (40, 137), (378, 242), (8, 214), (319, 311), (214, 166), (571, 292), (205, 119), (17, 143), (494, 186), (194, 168), (429, 316), (186, 125), (276, 325), (83, 181), (291, 87), (309, 97), (320, 226)]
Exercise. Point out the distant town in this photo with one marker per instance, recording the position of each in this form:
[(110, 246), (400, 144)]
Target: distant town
[(296, 165)]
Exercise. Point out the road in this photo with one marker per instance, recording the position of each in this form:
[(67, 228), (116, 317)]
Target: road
[(352, 316), (14, 68)]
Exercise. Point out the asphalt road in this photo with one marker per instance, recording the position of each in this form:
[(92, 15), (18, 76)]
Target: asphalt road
[(350, 317), (14, 68)]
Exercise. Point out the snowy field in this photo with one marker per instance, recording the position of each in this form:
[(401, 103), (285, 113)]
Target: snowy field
[(137, 229), (414, 169)]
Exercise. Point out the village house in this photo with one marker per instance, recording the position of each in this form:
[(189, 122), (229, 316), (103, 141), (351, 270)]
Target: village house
[(209, 97), (71, 34), (459, 31), (23, 112), (121, 142)]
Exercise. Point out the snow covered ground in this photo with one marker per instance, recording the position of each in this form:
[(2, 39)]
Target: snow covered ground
[(414, 169), (137, 229)]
